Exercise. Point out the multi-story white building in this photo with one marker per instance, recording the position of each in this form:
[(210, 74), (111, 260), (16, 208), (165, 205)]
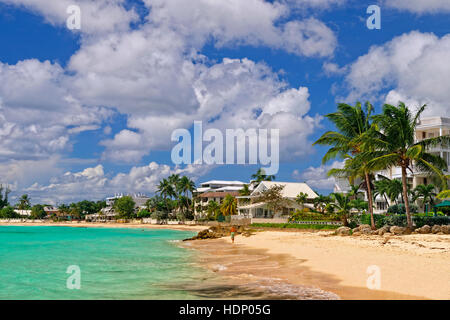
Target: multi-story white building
[(215, 190), (427, 128)]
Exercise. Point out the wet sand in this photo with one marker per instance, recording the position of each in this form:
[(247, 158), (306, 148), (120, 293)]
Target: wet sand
[(307, 265)]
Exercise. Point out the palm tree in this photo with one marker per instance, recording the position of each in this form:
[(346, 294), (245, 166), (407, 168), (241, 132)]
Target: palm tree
[(395, 190), (426, 192), (382, 189), (301, 199), (352, 123), (354, 191), (24, 202), (321, 202), (165, 189), (228, 207), (245, 191), (213, 208), (186, 185), (260, 176), (343, 205), (395, 146)]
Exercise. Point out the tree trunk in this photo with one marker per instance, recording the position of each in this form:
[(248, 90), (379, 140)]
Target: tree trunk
[(369, 197), (405, 198)]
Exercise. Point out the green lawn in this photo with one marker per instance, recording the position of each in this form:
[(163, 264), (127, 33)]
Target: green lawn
[(295, 226)]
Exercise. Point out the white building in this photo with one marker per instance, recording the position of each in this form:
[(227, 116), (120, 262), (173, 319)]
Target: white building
[(427, 128), (215, 190), (290, 192)]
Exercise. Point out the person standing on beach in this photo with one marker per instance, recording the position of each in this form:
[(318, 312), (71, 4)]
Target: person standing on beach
[(233, 233)]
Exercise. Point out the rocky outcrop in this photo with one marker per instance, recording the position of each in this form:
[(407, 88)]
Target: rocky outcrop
[(382, 230), (424, 229), (343, 231), (400, 230), (436, 229), (445, 229), (216, 232)]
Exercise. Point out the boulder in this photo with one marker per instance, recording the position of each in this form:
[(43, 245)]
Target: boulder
[(436, 229), (343, 231), (356, 233), (398, 230), (424, 229), (382, 230), (445, 229)]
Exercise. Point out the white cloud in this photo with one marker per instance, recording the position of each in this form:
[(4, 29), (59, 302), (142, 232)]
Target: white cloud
[(229, 23), (317, 177), (38, 114), (414, 68), (420, 6), (93, 183), (331, 69), (232, 94), (97, 16)]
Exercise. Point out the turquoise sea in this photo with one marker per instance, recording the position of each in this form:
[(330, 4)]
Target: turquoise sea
[(113, 263)]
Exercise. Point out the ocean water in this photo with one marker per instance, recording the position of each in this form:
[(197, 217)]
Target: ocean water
[(114, 263)]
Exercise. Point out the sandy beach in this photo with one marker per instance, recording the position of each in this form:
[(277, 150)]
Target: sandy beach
[(319, 265), (411, 267)]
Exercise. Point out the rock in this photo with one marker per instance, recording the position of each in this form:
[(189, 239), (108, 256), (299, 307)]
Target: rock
[(436, 229), (382, 230), (343, 231), (424, 229), (445, 229), (366, 230), (397, 230), (356, 233)]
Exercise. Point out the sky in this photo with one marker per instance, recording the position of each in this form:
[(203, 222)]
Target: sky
[(86, 113)]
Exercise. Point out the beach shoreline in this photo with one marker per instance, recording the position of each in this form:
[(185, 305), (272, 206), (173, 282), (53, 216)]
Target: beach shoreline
[(411, 267), (181, 227), (318, 265)]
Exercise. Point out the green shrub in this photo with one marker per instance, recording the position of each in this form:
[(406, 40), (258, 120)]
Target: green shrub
[(313, 216), (400, 208), (295, 226), (431, 221), (378, 218), (144, 214), (159, 215)]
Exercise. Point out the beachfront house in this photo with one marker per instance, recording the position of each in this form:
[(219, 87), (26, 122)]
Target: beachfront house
[(427, 128), (23, 213), (247, 207), (214, 190)]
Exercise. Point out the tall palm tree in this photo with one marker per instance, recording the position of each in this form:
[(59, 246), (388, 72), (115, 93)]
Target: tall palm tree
[(166, 190), (395, 146), (260, 176), (186, 185), (24, 202), (228, 207), (426, 192), (352, 123)]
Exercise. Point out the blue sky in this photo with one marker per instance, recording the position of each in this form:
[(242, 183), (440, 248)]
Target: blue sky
[(87, 113)]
